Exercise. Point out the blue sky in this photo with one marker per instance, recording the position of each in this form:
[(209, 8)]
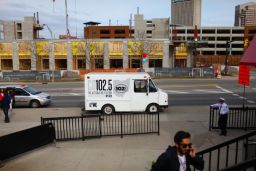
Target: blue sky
[(214, 12)]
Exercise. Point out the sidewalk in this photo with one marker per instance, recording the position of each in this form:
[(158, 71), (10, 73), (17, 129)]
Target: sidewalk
[(131, 153)]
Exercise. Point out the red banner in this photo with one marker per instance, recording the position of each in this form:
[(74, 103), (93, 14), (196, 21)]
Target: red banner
[(244, 75)]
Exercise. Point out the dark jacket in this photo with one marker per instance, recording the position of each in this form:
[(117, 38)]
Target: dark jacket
[(6, 101), (168, 161)]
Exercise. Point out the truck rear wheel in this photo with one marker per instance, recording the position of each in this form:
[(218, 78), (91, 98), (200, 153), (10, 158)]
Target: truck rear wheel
[(153, 108), (108, 109)]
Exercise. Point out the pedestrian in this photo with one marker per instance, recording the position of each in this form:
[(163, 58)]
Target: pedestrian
[(1, 97), (223, 115), (6, 106), (11, 94), (180, 156)]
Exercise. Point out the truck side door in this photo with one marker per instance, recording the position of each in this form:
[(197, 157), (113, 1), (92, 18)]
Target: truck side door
[(139, 95)]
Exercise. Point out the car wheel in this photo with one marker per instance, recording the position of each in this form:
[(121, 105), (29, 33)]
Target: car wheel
[(153, 108), (108, 109), (34, 104)]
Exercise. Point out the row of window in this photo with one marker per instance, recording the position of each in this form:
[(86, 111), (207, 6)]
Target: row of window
[(191, 31), (115, 31)]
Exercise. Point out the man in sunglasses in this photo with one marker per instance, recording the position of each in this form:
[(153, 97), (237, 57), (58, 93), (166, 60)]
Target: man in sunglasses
[(180, 156)]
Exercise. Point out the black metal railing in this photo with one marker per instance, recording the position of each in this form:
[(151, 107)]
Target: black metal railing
[(92, 126), (248, 165), (229, 153), (238, 118)]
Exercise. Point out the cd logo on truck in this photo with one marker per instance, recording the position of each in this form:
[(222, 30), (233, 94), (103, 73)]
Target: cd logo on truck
[(121, 88)]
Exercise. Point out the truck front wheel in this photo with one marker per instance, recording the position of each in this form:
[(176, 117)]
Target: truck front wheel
[(153, 108), (108, 109)]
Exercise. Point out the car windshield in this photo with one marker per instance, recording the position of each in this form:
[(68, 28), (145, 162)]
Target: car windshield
[(32, 90)]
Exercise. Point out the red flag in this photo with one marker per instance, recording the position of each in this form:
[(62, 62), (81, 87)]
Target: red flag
[(244, 75)]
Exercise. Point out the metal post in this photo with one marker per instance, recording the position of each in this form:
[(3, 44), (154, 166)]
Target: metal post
[(226, 58), (244, 96), (66, 11), (121, 125)]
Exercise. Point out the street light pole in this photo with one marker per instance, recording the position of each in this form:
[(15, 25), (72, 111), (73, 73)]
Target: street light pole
[(226, 58)]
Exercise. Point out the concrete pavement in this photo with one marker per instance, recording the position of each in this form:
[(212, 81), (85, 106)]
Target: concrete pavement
[(131, 153)]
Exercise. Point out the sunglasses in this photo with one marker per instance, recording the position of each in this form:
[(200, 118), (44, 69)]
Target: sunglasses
[(186, 145)]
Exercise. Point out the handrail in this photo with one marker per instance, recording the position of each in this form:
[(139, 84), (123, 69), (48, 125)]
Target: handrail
[(243, 165), (227, 143)]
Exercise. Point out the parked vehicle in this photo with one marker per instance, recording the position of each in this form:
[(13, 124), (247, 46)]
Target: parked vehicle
[(122, 92), (28, 96)]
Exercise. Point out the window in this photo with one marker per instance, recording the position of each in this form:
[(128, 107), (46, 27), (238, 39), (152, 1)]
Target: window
[(19, 35), (252, 31), (149, 31), (238, 31), (19, 26), (20, 92), (223, 31), (140, 86), (104, 31), (119, 31), (152, 87), (208, 31)]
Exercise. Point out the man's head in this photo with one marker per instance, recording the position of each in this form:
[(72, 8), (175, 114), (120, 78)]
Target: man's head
[(182, 141), (221, 100)]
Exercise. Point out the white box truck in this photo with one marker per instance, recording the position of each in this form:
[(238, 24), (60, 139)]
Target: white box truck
[(122, 92)]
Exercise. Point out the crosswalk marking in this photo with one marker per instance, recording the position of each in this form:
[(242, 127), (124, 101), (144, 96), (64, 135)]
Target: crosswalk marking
[(250, 101), (176, 92), (223, 89)]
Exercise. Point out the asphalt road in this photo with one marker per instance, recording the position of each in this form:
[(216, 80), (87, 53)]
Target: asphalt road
[(182, 92)]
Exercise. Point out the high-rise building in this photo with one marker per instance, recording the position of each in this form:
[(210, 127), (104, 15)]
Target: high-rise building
[(186, 12), (245, 14)]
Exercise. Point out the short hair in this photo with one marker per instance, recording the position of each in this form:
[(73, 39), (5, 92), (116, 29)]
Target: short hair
[(180, 135)]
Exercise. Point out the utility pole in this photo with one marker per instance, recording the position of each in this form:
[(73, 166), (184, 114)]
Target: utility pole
[(226, 58)]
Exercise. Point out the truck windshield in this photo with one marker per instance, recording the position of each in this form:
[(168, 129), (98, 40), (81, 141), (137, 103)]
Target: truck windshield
[(32, 90), (152, 87)]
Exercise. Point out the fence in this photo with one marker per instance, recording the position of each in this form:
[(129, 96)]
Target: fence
[(238, 118), (182, 72), (92, 126), (229, 153), (248, 165)]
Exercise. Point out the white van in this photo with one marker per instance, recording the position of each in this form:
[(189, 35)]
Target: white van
[(122, 92), (27, 96)]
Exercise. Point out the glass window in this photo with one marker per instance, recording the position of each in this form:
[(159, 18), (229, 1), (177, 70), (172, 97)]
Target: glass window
[(119, 31), (20, 92), (140, 86), (104, 31), (152, 87), (32, 90)]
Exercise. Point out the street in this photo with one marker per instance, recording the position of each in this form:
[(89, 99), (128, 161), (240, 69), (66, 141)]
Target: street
[(182, 92)]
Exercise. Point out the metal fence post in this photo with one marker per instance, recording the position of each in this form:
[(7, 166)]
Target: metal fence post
[(82, 127), (210, 119), (100, 120), (158, 123), (246, 117), (121, 125)]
